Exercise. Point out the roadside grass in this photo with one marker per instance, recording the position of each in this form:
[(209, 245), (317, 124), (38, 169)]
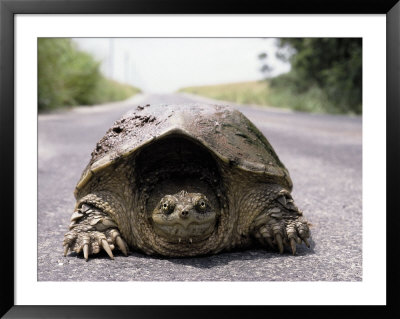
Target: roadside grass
[(261, 93), (241, 93), (108, 90)]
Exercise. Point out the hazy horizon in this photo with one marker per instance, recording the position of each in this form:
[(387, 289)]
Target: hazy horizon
[(164, 65)]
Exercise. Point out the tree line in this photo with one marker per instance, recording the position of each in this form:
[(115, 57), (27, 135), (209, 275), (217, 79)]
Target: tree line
[(325, 73)]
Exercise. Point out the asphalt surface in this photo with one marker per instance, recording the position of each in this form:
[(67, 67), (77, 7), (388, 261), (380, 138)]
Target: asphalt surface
[(323, 154)]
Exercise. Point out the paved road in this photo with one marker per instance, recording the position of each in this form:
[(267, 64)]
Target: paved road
[(322, 152)]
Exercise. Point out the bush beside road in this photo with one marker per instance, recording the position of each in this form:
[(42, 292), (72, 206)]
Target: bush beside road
[(69, 77)]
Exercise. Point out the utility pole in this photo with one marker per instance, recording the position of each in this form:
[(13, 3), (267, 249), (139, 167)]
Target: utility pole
[(126, 67), (111, 58)]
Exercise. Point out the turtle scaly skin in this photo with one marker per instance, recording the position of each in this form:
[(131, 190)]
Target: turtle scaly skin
[(184, 180)]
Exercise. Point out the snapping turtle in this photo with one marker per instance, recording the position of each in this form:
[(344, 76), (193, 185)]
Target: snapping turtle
[(184, 180)]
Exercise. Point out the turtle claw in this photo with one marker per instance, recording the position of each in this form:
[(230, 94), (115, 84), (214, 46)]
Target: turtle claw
[(285, 233), (293, 245), (269, 241), (306, 242), (121, 245), (92, 242), (107, 248), (278, 239), (66, 248), (117, 240), (86, 252)]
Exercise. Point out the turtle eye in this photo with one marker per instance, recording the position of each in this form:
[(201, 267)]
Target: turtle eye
[(166, 207), (202, 204), (167, 204)]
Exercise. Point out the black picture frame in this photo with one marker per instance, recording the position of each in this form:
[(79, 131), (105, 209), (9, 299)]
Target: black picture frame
[(8, 10)]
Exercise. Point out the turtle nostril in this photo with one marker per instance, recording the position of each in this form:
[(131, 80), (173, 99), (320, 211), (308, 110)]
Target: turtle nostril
[(184, 213)]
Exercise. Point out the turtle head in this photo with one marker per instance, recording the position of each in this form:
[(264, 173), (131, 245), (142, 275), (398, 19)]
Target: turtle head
[(184, 217)]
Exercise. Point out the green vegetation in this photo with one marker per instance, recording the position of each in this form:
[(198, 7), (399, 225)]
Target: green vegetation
[(326, 77), (69, 77), (242, 93), (260, 93)]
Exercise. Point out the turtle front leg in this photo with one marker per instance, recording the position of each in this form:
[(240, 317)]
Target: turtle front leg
[(92, 230), (281, 224)]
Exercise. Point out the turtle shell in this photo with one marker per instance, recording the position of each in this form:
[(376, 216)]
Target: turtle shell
[(223, 130)]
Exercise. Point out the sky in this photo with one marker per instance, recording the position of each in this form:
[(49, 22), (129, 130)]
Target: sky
[(164, 65)]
